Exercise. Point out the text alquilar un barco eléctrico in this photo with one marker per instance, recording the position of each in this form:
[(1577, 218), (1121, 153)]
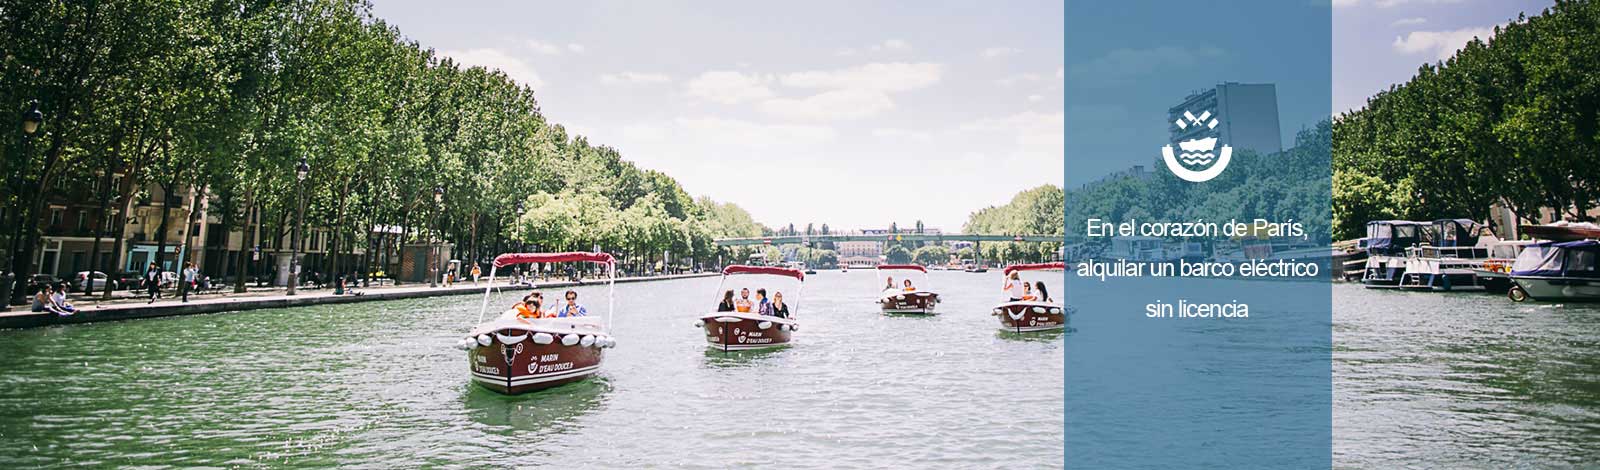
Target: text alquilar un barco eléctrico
[(1119, 267)]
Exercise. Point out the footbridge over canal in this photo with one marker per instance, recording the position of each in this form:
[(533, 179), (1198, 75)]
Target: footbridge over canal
[(807, 240)]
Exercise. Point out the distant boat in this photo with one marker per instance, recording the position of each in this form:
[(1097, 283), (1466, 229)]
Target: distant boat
[(1386, 243), (1562, 231), (1027, 314), (899, 300), (746, 330)]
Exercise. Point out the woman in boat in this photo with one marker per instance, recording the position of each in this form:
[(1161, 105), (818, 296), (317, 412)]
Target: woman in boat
[(779, 309), (1027, 292), (909, 287), (1014, 286), (727, 302), (1044, 295), (529, 307)]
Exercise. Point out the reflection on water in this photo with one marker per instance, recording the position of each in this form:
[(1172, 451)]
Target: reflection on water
[(550, 411), (1048, 336), (1464, 380), (381, 385)]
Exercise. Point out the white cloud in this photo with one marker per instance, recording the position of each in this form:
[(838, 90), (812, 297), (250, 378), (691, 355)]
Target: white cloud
[(1000, 51), (575, 48), (728, 87), (1122, 64), (1409, 21), (901, 135), (1035, 98), (1019, 78), (887, 77), (830, 105), (489, 58), (1060, 71), (544, 48), (751, 135), (886, 45), (633, 78), (1441, 44)]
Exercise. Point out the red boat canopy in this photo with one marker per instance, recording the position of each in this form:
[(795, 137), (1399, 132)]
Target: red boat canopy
[(1035, 267), (908, 267), (522, 258), (773, 270)]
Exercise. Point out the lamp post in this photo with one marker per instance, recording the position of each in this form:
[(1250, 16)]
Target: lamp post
[(300, 173), (31, 120), (433, 271)]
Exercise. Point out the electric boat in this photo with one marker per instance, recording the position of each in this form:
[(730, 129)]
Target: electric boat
[(1030, 311), (917, 299), (744, 327), (1568, 270), (513, 354)]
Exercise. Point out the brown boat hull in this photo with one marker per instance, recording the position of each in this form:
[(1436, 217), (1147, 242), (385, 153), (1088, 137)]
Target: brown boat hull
[(527, 366), (910, 302), (1031, 316), (741, 332)]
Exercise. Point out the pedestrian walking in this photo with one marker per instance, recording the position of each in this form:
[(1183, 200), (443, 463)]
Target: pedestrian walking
[(152, 282), (476, 271), (190, 276)]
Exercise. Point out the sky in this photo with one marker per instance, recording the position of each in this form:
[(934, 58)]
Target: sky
[(1377, 43), (854, 114)]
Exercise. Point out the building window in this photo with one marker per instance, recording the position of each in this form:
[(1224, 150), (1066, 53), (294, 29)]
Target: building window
[(55, 217), (83, 220)]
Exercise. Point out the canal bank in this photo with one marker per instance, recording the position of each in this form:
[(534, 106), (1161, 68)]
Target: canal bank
[(197, 306)]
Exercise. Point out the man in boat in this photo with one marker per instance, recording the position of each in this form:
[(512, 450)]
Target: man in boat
[(888, 285), (763, 306), (743, 304), (572, 309)]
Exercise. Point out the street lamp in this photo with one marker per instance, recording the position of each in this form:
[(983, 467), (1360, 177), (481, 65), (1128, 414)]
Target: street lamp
[(438, 203), (300, 172), (31, 119)]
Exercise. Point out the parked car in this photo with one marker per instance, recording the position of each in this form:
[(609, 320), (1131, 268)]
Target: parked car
[(130, 280), (38, 281), (95, 281)]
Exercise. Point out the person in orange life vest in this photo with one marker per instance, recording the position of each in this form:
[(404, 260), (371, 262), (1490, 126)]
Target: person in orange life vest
[(742, 304), (909, 287), (1027, 292), (530, 305)]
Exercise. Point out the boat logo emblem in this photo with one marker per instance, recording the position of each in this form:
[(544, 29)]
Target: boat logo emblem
[(1195, 152)]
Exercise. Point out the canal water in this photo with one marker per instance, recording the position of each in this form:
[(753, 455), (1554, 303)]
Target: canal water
[(1463, 380), (380, 385)]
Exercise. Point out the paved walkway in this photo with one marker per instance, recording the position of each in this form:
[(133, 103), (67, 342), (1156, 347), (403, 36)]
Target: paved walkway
[(124, 307)]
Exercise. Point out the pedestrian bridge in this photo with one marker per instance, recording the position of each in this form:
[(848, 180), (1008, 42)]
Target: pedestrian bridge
[(909, 237)]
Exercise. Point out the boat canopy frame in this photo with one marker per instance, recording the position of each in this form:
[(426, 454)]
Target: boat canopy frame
[(745, 270), (598, 257)]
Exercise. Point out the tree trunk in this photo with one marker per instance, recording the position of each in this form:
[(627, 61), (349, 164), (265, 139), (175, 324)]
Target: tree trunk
[(246, 239)]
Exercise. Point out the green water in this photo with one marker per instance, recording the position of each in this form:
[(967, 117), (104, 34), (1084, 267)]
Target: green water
[(379, 385)]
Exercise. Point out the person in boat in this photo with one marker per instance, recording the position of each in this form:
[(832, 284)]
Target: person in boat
[(763, 306), (1027, 292), (888, 285), (571, 309), (1044, 295), (743, 303), (727, 302), (779, 309), (1014, 286), (909, 287), (530, 306)]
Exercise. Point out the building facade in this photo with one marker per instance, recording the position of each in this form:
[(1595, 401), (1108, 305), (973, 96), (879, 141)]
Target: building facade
[(1246, 115)]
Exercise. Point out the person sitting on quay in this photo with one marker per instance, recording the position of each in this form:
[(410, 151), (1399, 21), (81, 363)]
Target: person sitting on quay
[(779, 309), (763, 306), (909, 287), (58, 302), (727, 302), (742, 305), (572, 309), (41, 298)]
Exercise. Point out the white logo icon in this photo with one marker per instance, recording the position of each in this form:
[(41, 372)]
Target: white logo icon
[(1197, 152)]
